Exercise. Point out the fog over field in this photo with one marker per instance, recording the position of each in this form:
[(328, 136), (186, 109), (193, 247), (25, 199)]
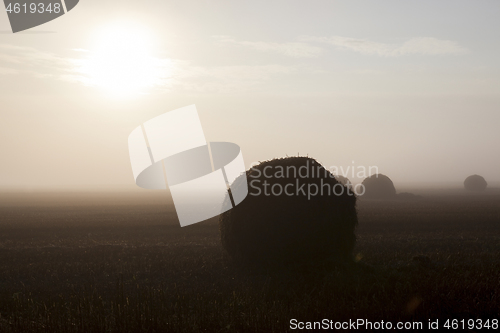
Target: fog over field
[(410, 88), (395, 104)]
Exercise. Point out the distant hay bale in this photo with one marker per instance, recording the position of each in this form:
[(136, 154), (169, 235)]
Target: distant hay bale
[(279, 229), (475, 183), (379, 186)]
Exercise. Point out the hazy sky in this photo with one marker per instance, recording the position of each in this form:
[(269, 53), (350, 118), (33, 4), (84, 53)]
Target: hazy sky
[(412, 87)]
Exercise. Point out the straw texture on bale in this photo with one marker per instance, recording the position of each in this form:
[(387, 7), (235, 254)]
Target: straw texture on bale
[(283, 229)]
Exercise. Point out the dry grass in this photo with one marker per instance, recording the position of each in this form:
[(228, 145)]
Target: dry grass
[(124, 267)]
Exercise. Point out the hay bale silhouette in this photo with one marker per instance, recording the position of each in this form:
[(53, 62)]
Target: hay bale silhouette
[(379, 186), (408, 196), (475, 183), (343, 180), (279, 229)]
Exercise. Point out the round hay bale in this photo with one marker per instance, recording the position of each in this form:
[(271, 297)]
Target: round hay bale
[(379, 186), (475, 183), (343, 180), (281, 222)]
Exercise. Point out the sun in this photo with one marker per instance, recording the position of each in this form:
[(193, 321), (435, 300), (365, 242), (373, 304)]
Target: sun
[(122, 61)]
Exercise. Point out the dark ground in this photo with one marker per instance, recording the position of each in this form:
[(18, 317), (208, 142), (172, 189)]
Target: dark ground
[(121, 263)]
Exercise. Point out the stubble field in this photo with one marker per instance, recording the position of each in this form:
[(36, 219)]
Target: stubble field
[(119, 262)]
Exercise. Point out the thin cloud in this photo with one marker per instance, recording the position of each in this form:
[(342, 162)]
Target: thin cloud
[(186, 77), (27, 60), (182, 75), (414, 46), (290, 49), (225, 79), (7, 71)]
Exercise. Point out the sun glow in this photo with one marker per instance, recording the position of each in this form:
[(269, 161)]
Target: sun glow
[(123, 63)]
